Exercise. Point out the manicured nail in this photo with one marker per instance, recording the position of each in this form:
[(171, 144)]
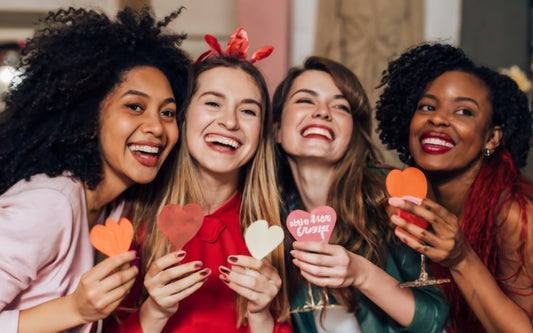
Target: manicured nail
[(198, 265), (180, 254), (224, 270), (233, 258), (224, 278), (205, 272), (396, 202)]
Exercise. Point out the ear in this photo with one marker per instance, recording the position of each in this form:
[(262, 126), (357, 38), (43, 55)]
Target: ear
[(495, 137), (277, 135)]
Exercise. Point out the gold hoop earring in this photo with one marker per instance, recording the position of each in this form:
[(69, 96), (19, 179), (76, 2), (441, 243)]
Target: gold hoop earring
[(487, 152)]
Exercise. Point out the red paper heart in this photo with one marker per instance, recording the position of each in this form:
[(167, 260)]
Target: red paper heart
[(314, 226), (180, 224), (113, 238), (409, 182)]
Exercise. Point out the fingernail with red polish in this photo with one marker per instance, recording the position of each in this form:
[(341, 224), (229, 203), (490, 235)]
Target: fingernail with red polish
[(205, 272), (180, 254), (198, 265), (232, 258), (223, 270)]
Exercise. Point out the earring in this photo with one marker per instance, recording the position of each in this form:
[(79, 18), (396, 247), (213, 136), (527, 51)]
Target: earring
[(487, 152)]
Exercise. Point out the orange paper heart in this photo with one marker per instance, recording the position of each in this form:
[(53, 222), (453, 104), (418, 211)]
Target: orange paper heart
[(112, 238), (409, 182)]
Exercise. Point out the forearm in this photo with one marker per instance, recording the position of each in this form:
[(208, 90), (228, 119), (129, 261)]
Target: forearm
[(385, 292), (261, 322), (150, 319), (53, 316), (496, 311)]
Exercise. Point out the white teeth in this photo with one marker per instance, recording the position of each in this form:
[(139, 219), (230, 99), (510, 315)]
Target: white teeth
[(319, 131), (223, 140), (144, 149), (437, 142)]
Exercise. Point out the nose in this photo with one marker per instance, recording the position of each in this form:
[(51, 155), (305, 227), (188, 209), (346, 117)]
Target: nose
[(439, 118), (228, 119), (152, 123), (322, 111)]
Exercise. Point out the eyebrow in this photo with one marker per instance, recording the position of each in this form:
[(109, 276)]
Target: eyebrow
[(314, 93), (457, 99), (245, 101), (140, 93)]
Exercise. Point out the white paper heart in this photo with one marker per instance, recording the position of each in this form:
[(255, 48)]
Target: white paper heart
[(261, 240)]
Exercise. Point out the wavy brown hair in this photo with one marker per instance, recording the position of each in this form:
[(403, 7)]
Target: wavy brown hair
[(357, 193)]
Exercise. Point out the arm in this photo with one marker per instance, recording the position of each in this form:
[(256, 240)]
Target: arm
[(168, 283), (446, 245), (99, 292), (257, 281), (327, 265)]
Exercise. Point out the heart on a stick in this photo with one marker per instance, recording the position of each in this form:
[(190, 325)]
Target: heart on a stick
[(112, 238), (410, 182), (411, 185), (314, 226), (180, 224), (262, 239)]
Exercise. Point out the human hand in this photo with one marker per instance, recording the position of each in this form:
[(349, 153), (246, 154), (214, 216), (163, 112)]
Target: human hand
[(103, 287), (168, 282), (256, 280), (327, 265), (443, 242)]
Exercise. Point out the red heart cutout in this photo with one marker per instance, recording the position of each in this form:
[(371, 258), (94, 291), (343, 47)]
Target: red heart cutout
[(409, 182), (112, 238), (314, 226), (180, 224)]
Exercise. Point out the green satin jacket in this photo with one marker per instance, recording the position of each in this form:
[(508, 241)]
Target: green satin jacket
[(431, 308)]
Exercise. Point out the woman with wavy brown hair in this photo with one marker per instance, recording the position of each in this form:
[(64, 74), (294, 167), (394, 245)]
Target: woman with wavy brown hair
[(323, 120)]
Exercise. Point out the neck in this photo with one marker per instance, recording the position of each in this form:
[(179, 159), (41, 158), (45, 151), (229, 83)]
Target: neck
[(313, 181), (217, 190), (105, 192), (450, 188)]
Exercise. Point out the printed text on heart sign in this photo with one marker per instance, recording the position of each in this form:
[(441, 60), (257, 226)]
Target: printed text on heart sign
[(304, 226)]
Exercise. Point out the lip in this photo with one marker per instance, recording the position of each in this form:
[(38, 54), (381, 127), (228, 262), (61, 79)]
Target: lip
[(222, 143), (436, 142), (318, 135), (146, 153)]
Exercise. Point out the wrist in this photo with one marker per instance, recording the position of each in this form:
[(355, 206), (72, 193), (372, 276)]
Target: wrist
[(259, 319), (150, 310), (70, 306)]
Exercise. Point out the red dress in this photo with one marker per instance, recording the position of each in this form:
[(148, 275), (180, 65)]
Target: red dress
[(211, 309)]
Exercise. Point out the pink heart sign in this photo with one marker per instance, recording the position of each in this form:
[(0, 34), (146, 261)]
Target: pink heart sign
[(314, 226), (180, 224)]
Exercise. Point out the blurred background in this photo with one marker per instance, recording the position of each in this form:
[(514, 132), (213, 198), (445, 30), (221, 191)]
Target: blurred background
[(362, 34)]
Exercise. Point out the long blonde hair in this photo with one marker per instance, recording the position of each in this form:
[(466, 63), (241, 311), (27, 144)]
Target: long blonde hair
[(257, 185)]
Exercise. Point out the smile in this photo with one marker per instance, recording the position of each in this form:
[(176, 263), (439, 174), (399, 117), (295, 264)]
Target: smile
[(223, 141), (314, 131), (436, 143), (144, 149)]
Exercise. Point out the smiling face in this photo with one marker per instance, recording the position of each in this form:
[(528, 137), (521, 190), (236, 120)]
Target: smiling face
[(137, 126), (223, 121), (451, 125), (316, 122)]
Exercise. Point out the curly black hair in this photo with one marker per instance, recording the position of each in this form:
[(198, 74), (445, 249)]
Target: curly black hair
[(408, 76), (66, 70)]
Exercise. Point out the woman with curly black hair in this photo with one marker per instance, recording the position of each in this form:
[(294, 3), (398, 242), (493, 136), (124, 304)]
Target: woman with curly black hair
[(468, 128), (93, 113)]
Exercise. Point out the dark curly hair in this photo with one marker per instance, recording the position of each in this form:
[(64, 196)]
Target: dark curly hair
[(66, 70), (408, 76)]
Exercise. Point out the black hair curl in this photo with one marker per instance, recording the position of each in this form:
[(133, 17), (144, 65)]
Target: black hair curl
[(408, 76), (67, 69)]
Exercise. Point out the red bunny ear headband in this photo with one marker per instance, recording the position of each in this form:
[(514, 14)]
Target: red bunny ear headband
[(237, 47)]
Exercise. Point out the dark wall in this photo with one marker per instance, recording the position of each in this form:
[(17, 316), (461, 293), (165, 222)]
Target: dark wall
[(497, 34)]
